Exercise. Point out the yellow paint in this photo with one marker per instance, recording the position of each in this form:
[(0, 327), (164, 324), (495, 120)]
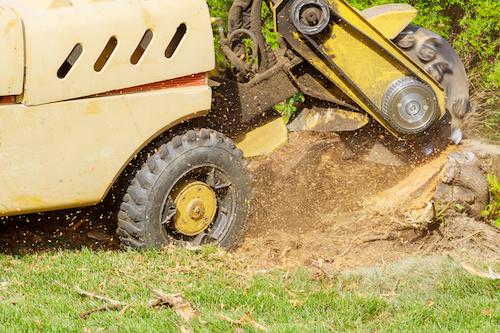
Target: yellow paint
[(148, 19), (390, 19), (92, 108), (10, 25), (60, 4), (273, 7), (370, 69), (196, 205), (264, 140), (23, 200)]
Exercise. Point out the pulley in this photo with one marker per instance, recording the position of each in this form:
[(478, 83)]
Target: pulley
[(310, 17), (410, 106)]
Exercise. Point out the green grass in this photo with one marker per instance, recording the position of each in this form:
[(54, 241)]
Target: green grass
[(485, 121), (37, 294)]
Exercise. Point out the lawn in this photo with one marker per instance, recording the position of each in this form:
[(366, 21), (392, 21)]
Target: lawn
[(39, 293)]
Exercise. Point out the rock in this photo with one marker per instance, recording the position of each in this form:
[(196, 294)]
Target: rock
[(463, 181)]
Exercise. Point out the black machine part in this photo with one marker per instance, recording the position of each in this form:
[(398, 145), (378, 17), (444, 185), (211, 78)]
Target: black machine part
[(310, 17), (245, 21)]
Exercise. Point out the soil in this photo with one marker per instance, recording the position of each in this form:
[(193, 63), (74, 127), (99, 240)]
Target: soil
[(317, 202)]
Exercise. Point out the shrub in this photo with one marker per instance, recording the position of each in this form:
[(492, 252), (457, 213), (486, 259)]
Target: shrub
[(492, 210)]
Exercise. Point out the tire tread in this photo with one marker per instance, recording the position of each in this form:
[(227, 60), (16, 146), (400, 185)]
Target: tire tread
[(132, 215)]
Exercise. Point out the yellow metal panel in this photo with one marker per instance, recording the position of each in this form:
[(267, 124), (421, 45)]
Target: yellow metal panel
[(373, 71), (264, 140), (390, 19), (68, 154)]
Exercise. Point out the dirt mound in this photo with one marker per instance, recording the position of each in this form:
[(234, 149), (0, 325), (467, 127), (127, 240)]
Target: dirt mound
[(318, 202)]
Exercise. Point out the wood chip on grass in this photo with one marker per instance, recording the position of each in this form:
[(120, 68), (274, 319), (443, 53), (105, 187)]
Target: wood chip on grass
[(246, 319), (113, 305), (176, 302), (491, 275)]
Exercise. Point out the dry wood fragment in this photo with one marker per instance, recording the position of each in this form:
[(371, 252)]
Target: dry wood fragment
[(110, 307), (285, 252), (320, 264), (491, 275), (96, 296), (177, 302), (113, 305), (245, 319)]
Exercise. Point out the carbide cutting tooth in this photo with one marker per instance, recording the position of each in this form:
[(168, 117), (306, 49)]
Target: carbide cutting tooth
[(438, 70), (407, 42), (427, 52)]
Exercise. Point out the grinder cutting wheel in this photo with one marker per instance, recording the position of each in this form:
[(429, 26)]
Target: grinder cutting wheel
[(351, 64)]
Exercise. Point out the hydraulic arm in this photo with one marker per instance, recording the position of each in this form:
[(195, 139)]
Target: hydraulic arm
[(372, 62)]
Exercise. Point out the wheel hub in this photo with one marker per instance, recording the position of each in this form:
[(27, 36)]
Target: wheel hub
[(196, 206), (413, 108)]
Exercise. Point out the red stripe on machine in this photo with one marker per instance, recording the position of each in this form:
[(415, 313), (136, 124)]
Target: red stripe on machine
[(7, 99), (186, 81)]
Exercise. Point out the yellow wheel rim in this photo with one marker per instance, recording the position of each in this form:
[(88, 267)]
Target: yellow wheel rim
[(196, 205)]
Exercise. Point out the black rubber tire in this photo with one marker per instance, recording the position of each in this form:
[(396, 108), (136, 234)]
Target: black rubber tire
[(139, 224)]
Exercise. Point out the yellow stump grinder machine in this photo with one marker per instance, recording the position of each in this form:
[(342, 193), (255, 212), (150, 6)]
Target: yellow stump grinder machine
[(91, 89)]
